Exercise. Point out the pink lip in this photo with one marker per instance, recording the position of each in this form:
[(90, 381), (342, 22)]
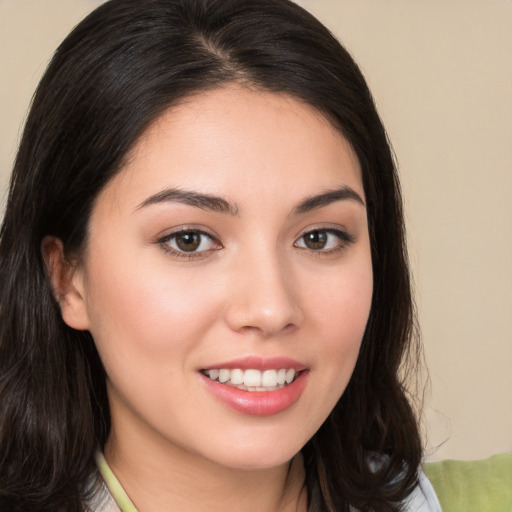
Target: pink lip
[(258, 403), (258, 363)]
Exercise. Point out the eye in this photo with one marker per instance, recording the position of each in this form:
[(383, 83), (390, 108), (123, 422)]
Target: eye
[(324, 240), (189, 242)]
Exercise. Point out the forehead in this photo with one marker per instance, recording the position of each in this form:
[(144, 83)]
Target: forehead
[(235, 140)]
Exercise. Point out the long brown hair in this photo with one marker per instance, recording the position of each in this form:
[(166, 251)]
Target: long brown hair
[(112, 76)]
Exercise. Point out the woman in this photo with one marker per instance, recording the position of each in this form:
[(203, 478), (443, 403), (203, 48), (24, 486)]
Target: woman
[(204, 284)]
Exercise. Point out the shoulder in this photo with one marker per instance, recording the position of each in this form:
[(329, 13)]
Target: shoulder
[(423, 498), (102, 501)]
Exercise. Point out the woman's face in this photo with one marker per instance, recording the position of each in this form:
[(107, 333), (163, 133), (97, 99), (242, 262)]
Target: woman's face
[(233, 247)]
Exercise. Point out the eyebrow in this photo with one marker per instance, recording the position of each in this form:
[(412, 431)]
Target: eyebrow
[(203, 201), (326, 198), (220, 205)]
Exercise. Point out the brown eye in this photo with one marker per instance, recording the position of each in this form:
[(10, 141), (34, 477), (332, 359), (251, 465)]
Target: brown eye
[(324, 240), (189, 241), (315, 240)]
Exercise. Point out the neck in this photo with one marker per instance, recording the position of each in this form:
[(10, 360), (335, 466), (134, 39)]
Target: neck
[(171, 479)]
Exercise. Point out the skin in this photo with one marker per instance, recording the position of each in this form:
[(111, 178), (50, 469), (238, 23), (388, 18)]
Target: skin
[(252, 289)]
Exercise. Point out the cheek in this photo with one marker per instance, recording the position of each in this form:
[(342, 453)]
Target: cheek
[(340, 313), (343, 300), (147, 333), (149, 313)]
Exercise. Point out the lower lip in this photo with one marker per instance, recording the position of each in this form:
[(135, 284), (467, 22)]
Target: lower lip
[(258, 403)]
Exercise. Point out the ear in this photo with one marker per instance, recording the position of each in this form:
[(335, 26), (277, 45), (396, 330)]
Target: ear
[(67, 282)]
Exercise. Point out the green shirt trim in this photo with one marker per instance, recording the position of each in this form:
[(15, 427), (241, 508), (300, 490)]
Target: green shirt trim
[(119, 495)]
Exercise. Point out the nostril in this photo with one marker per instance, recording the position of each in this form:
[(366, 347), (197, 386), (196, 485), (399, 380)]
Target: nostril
[(266, 331)]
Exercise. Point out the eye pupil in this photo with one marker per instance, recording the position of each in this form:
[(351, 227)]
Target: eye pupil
[(188, 241), (315, 239)]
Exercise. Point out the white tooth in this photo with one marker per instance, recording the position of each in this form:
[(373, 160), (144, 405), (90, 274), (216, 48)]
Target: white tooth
[(269, 378), (252, 378), (224, 375), (281, 376), (290, 375), (237, 377), (214, 374)]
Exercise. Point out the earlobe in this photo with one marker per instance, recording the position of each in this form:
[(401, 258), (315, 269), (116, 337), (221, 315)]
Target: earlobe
[(66, 279)]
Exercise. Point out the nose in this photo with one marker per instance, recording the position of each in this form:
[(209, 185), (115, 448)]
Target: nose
[(264, 297)]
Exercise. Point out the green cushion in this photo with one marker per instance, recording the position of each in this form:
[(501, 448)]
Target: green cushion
[(473, 486)]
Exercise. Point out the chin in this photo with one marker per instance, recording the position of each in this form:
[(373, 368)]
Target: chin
[(249, 461), (258, 453)]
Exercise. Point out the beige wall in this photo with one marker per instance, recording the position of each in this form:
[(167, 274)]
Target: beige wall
[(442, 78)]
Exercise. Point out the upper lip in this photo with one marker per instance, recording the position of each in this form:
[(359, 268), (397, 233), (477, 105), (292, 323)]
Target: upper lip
[(258, 363)]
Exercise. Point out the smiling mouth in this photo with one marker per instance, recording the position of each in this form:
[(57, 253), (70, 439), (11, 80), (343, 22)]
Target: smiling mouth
[(252, 379)]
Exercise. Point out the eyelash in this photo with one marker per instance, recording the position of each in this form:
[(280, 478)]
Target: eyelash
[(176, 252), (344, 240)]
